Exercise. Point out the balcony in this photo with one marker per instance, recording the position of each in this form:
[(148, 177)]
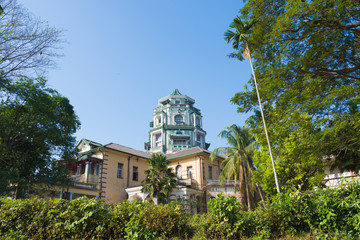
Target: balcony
[(184, 182), (90, 182), (217, 183), (89, 186), (157, 148), (179, 147)]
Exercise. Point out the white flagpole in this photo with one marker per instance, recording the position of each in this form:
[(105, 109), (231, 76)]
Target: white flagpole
[(247, 55)]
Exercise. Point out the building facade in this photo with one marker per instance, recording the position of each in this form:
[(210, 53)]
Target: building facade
[(176, 125), (114, 173)]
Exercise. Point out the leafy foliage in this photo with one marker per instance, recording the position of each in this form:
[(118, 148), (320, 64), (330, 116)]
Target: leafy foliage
[(307, 61), (85, 218), (320, 214), (160, 180), (37, 126), (238, 163), (325, 214), (239, 36)]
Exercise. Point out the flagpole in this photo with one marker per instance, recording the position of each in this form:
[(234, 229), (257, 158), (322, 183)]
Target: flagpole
[(247, 55)]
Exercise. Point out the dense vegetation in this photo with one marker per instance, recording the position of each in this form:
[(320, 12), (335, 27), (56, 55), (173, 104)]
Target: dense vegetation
[(160, 180), (307, 64), (325, 214)]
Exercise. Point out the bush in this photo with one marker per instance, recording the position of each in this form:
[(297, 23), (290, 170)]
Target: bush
[(85, 218), (158, 221), (226, 219), (324, 214)]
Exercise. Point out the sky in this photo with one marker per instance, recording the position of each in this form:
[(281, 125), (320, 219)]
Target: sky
[(121, 56)]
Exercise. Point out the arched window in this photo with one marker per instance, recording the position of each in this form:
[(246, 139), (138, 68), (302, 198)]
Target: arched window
[(178, 119), (178, 132), (158, 120), (179, 172), (198, 122)]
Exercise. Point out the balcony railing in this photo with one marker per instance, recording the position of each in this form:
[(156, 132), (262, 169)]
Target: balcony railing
[(179, 147), (217, 183), (184, 182), (89, 186), (90, 182), (157, 148), (78, 178)]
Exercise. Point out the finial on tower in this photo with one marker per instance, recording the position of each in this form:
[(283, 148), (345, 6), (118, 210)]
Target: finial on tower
[(176, 92)]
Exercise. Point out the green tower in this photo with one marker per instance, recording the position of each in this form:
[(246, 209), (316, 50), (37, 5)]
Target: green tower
[(176, 125)]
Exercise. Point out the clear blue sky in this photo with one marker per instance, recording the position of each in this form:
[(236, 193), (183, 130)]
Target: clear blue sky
[(121, 56)]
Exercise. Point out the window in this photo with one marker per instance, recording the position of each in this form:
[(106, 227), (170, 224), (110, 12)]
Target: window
[(178, 119), (119, 170), (158, 140), (198, 121), (177, 101), (135, 174), (92, 168), (179, 133), (80, 169), (179, 172), (158, 120), (210, 172), (198, 138), (97, 169), (179, 142), (189, 172)]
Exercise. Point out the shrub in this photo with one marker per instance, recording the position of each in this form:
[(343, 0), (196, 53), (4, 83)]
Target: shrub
[(158, 221), (227, 219), (324, 214)]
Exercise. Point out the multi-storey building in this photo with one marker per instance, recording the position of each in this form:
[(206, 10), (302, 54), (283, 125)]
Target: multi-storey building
[(114, 172), (176, 125)]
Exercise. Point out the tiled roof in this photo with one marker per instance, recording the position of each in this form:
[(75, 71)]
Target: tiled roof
[(127, 150), (146, 155), (187, 152), (92, 142)]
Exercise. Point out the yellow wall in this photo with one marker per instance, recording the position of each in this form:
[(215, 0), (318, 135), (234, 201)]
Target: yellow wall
[(114, 187), (200, 172)]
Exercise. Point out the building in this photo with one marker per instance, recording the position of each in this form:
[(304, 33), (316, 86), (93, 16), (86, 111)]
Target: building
[(114, 172), (176, 125)]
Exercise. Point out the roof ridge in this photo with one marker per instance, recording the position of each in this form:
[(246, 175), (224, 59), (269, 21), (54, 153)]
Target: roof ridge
[(123, 146)]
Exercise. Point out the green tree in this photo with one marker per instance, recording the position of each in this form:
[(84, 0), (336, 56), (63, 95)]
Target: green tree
[(160, 180), (238, 163), (36, 129), (307, 60), (240, 37)]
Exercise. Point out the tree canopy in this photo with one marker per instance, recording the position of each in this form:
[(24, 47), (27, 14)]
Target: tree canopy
[(238, 162), (160, 180), (28, 45), (36, 129), (307, 61)]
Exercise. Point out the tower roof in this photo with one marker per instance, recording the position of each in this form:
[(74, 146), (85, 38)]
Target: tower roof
[(176, 92)]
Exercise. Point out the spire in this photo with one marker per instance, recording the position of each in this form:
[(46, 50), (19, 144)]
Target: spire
[(176, 92)]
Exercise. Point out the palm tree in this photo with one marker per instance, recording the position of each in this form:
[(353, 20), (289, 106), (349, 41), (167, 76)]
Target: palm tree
[(238, 163), (239, 38), (160, 180)]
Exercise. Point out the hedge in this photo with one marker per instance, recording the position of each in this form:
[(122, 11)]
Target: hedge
[(318, 214)]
